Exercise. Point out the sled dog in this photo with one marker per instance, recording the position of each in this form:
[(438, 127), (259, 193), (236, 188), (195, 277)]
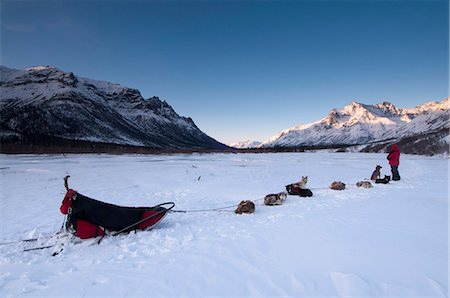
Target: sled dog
[(376, 174), (302, 182), (364, 184), (275, 199), (337, 185), (384, 180)]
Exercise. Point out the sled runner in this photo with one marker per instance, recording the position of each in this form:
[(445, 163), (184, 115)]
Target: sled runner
[(88, 218)]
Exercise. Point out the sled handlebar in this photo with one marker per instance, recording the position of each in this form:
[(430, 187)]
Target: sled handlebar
[(66, 184), (172, 204)]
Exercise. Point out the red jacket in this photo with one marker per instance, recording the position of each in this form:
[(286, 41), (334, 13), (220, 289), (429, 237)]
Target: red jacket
[(394, 156)]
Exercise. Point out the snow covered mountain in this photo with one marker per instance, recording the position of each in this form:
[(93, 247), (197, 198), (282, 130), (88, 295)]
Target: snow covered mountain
[(45, 103), (245, 145), (358, 123)]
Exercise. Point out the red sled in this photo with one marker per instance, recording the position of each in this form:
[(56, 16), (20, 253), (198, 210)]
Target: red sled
[(89, 218)]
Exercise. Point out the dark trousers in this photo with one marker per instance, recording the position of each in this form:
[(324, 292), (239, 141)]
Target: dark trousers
[(395, 174)]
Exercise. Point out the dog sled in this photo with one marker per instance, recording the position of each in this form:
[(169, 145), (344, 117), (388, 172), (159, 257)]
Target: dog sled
[(89, 218)]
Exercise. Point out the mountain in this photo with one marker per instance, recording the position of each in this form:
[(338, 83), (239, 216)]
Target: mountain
[(46, 105), (361, 124), (245, 145)]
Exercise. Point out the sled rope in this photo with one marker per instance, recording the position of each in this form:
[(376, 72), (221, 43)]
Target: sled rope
[(40, 247), (45, 246), (24, 240), (32, 239), (219, 209)]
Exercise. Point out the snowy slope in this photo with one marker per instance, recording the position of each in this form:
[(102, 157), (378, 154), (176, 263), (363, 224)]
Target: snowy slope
[(387, 241), (246, 144), (358, 123), (45, 102), (425, 118)]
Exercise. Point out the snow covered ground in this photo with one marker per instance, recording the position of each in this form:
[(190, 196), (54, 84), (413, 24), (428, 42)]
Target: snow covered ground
[(390, 240)]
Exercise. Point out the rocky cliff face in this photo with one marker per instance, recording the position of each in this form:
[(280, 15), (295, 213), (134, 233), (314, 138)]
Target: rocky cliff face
[(47, 103)]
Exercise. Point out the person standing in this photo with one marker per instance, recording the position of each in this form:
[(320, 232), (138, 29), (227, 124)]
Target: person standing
[(394, 161)]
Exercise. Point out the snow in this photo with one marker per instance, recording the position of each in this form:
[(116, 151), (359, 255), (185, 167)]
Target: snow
[(437, 120), (22, 83), (41, 67), (245, 144), (7, 74), (446, 139), (390, 240)]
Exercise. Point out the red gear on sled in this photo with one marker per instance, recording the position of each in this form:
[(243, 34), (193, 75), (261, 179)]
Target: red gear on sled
[(85, 229), (67, 201)]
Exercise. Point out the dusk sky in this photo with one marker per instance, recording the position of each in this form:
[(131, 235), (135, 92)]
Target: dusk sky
[(243, 70)]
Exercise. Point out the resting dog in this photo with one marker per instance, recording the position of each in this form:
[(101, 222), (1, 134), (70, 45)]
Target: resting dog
[(337, 185), (364, 184), (275, 199), (385, 180), (245, 207)]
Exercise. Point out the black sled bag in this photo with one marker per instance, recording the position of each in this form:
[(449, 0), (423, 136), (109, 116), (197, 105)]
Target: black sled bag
[(90, 218)]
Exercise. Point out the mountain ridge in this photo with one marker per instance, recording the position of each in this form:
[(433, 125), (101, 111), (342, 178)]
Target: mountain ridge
[(45, 102), (365, 124)]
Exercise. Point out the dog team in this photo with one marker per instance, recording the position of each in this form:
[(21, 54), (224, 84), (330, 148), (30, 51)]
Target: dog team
[(299, 188)]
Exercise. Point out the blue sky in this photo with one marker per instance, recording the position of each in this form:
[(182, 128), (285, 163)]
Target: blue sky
[(241, 69)]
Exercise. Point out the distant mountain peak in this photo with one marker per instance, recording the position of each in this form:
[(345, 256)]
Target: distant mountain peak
[(41, 67), (354, 103), (387, 107), (246, 144), (331, 118), (359, 123)]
